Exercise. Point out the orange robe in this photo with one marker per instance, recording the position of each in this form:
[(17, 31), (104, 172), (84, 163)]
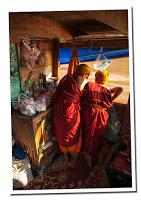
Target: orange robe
[(66, 112), (95, 101)]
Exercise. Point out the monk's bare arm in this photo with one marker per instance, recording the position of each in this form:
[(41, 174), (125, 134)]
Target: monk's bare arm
[(116, 91)]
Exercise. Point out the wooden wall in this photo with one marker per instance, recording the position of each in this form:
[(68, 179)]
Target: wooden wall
[(46, 68)]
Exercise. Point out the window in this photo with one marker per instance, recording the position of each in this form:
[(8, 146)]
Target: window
[(119, 72)]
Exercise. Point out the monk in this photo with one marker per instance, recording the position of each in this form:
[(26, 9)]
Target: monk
[(66, 111), (96, 100)]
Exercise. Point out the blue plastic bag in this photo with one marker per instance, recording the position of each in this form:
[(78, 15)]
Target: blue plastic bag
[(18, 152), (114, 126)]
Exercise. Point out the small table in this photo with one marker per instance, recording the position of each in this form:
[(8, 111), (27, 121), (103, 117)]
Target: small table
[(30, 133)]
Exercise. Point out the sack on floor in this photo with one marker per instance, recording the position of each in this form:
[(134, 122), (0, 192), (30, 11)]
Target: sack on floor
[(21, 173)]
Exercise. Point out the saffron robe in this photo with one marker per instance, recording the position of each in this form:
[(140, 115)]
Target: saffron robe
[(66, 112), (95, 101)]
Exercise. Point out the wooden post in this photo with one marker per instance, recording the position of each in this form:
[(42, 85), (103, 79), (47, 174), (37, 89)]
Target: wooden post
[(56, 58)]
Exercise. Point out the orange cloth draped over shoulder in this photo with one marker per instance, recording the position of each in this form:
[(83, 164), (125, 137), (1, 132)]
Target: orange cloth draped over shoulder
[(66, 110), (74, 62)]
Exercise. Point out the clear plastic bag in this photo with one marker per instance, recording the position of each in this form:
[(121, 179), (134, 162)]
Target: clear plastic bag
[(40, 105), (27, 55), (102, 62), (26, 105)]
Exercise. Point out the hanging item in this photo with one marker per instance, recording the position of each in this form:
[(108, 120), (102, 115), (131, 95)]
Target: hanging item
[(41, 60), (102, 62), (74, 62), (114, 126), (28, 53)]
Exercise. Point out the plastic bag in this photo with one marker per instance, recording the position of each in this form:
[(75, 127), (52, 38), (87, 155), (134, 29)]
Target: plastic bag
[(27, 56), (114, 126), (40, 59), (114, 123), (26, 105), (102, 62), (40, 105)]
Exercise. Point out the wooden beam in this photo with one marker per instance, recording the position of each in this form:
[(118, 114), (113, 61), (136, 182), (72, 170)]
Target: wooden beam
[(109, 43), (23, 25), (56, 57)]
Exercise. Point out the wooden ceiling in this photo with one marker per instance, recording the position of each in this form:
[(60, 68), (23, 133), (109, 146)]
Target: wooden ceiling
[(84, 28)]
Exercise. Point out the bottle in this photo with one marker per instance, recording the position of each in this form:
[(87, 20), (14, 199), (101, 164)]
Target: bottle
[(40, 79)]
